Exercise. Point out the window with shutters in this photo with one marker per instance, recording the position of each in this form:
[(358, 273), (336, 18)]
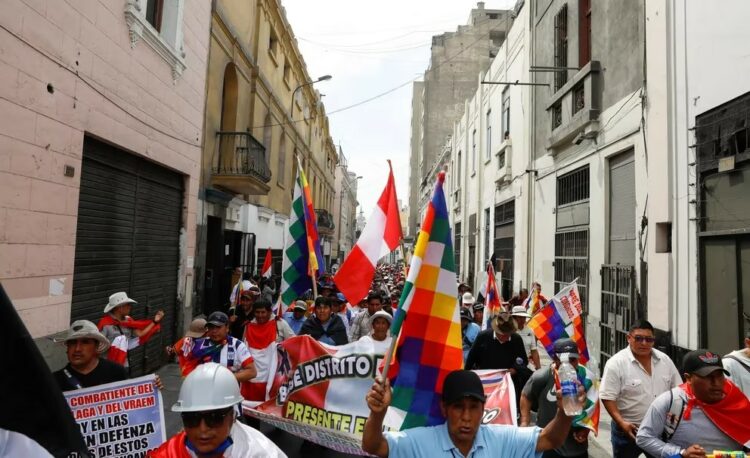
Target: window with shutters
[(561, 47), (584, 32), (504, 246)]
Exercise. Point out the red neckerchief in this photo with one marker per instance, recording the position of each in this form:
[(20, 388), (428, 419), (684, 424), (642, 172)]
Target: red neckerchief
[(729, 414), (174, 447), (109, 320), (260, 336)]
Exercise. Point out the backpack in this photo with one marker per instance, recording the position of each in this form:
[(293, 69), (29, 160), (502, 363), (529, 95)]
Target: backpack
[(674, 413)]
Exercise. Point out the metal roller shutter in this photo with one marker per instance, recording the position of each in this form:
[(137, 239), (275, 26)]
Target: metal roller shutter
[(129, 220), (622, 209)]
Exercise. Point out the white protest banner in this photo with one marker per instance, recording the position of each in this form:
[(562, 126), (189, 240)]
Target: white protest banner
[(319, 392), (123, 419), (568, 303)]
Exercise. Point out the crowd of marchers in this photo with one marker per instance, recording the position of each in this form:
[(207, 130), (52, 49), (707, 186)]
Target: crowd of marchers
[(654, 410)]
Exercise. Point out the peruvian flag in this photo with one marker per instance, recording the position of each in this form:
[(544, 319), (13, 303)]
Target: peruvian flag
[(266, 270), (380, 236), (118, 351)]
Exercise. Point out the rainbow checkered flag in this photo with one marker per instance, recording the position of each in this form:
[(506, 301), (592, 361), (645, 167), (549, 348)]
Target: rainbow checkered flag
[(303, 260), (589, 418), (561, 317), (426, 323)]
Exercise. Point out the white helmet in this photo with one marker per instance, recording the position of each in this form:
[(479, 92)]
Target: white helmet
[(209, 387)]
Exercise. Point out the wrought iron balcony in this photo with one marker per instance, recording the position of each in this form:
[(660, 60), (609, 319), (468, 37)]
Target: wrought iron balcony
[(325, 221), (239, 164)]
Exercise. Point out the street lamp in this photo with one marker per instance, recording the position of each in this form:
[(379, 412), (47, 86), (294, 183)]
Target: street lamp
[(294, 93)]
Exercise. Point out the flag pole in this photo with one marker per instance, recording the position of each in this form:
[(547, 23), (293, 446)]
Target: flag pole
[(389, 355)]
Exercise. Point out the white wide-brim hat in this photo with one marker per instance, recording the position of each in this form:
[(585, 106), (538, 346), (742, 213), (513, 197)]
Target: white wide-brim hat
[(381, 314), (85, 329), (520, 310), (118, 299)]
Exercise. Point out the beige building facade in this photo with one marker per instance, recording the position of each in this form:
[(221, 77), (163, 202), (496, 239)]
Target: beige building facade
[(262, 114), (101, 114)]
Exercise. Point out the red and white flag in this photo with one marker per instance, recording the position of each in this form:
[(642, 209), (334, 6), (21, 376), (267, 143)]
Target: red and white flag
[(380, 236), (266, 270)]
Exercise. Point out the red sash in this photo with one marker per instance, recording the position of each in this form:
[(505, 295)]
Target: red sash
[(729, 414), (109, 320), (174, 447)]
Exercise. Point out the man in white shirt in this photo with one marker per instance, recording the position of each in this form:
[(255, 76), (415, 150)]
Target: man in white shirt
[(632, 379), (737, 364), (520, 316)]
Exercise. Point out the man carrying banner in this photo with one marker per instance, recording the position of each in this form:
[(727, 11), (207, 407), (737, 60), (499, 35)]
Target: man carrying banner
[(242, 314), (462, 434), (702, 416), (501, 348), (325, 326), (632, 378), (540, 395), (261, 336), (296, 317), (207, 402), (84, 344), (224, 349)]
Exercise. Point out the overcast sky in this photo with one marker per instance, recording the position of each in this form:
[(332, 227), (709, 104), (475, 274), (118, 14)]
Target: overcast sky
[(370, 48)]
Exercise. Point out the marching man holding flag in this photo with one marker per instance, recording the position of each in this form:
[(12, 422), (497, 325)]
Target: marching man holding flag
[(437, 406)]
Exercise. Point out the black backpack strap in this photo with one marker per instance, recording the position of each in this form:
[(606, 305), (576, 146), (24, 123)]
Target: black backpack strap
[(674, 414), (72, 380)]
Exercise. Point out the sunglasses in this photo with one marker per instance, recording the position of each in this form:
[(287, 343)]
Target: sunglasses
[(641, 339), (212, 418)]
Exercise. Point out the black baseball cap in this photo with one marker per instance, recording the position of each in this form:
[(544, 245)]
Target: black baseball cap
[(217, 319), (462, 384), (478, 306), (702, 362), (566, 345)]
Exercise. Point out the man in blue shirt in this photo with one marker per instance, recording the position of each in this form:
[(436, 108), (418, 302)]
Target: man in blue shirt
[(296, 317), (462, 435)]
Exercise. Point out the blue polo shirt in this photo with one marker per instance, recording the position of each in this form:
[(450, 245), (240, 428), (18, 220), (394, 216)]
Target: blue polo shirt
[(491, 441)]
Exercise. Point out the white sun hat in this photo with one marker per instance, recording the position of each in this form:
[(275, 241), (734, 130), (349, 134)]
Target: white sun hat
[(118, 299)]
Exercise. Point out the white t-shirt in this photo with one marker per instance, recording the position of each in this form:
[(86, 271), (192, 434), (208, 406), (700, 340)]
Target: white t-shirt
[(740, 376), (626, 382), (529, 339)]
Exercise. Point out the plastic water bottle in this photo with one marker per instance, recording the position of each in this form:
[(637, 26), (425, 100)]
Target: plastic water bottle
[(569, 389)]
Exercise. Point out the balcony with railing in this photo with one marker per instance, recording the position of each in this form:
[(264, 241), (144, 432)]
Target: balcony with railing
[(574, 109), (240, 165), (325, 221)]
